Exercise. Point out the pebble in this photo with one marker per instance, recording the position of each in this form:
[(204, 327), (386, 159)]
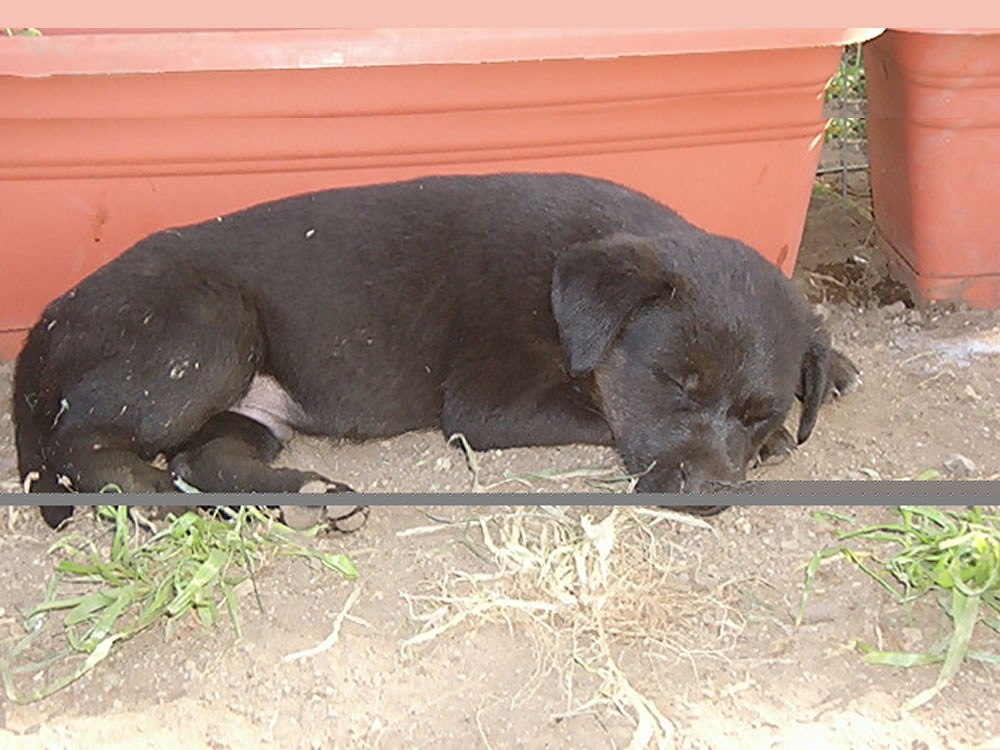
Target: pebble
[(896, 308), (959, 465), (112, 681), (820, 610), (912, 638)]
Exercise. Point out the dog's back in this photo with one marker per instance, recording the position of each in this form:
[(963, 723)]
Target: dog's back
[(447, 262)]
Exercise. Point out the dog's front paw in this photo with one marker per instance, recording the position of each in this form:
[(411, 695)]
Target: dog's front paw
[(776, 448), (844, 376)]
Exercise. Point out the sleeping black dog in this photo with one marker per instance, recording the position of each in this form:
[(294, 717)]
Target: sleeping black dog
[(517, 309)]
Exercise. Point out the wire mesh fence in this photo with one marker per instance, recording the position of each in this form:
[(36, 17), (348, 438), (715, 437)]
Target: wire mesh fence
[(844, 160)]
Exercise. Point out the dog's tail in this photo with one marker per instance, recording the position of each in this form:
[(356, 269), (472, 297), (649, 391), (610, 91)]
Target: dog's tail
[(34, 410)]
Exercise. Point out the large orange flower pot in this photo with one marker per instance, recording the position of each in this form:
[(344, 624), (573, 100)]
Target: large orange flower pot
[(110, 136), (934, 145)]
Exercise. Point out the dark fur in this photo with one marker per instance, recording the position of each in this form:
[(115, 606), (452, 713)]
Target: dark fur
[(517, 309)]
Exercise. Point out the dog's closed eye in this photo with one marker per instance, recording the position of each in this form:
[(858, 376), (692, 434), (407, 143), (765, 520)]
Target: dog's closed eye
[(686, 383), (755, 413)]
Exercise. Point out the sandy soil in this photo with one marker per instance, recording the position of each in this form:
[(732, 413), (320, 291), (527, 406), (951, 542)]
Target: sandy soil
[(712, 645)]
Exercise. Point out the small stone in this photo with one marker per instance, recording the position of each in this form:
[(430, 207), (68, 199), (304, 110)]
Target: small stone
[(959, 465), (443, 464), (112, 681), (896, 308), (820, 610), (912, 638)]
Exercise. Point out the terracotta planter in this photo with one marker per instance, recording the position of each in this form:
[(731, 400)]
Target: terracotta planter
[(934, 145), (110, 136)]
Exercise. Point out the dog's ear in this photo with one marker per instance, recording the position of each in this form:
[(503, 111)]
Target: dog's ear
[(596, 286), (814, 377)]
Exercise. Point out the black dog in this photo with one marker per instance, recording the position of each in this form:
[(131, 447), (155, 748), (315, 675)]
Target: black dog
[(518, 309)]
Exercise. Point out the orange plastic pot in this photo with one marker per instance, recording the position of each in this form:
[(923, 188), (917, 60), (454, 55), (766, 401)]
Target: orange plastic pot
[(110, 136), (934, 146)]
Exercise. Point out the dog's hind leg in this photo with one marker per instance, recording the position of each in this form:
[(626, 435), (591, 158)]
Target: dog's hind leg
[(96, 459), (233, 452), (109, 380)]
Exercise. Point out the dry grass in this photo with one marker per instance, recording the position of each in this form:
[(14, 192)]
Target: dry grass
[(583, 589)]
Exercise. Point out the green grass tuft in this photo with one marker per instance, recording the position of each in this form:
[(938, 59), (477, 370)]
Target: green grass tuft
[(952, 555), (99, 598)]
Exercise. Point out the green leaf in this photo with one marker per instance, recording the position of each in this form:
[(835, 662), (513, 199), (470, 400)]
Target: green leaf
[(964, 611), (206, 572)]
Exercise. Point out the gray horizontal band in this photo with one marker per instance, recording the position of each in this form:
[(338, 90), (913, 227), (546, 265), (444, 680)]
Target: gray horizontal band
[(753, 493)]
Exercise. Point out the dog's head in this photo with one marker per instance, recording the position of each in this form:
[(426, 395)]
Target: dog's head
[(697, 347)]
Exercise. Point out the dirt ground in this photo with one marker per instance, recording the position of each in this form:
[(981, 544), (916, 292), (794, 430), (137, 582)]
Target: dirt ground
[(710, 650)]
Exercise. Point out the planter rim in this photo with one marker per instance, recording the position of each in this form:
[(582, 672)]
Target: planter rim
[(948, 32), (90, 52)]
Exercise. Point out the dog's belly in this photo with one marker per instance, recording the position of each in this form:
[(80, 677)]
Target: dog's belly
[(270, 404)]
